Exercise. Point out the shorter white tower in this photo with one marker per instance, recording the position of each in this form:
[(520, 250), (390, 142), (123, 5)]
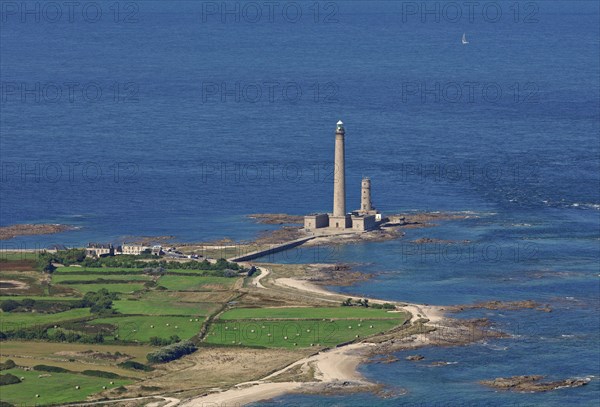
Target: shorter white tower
[(365, 196)]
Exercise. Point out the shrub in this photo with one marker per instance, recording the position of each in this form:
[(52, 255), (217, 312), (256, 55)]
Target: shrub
[(9, 364), (8, 379), (53, 369), (157, 341), (9, 305), (347, 303), (99, 302), (230, 273), (171, 352), (154, 270), (101, 373), (131, 364)]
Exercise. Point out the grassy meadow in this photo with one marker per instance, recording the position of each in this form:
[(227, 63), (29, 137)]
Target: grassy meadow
[(61, 278), (18, 320), (195, 283), (300, 333), (142, 328), (300, 327), (112, 287), (150, 307), (98, 270), (309, 313), (54, 388)]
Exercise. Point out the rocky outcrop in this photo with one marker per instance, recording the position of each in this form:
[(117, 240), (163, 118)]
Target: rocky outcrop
[(501, 305), (532, 383), (9, 232), (429, 240), (277, 218)]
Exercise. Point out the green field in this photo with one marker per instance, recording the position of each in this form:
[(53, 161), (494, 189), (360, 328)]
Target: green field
[(192, 283), (16, 320), (309, 313), (142, 310), (98, 270), (197, 273), (96, 278), (157, 307), (129, 271), (14, 256), (114, 288), (300, 327), (36, 298), (55, 388), (299, 333), (142, 328)]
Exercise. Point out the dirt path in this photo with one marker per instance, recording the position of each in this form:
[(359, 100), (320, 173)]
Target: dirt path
[(264, 272), (171, 401)]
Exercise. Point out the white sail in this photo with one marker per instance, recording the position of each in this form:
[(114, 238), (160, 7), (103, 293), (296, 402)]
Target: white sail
[(464, 39)]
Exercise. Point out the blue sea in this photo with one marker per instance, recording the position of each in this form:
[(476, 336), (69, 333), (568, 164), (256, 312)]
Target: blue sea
[(180, 118)]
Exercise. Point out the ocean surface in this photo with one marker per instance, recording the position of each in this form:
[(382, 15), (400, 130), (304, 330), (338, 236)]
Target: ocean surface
[(152, 118)]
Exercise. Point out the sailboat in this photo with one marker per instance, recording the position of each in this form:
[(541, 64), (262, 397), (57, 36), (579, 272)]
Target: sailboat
[(464, 39)]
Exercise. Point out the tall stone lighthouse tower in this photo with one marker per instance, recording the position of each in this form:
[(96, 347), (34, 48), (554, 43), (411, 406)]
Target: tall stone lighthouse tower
[(339, 220), (339, 174), (365, 195)]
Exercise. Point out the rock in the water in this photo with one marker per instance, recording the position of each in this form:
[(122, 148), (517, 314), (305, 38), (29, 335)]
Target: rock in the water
[(415, 357), (532, 383)]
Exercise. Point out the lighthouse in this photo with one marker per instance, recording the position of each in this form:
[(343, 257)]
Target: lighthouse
[(339, 174), (339, 219)]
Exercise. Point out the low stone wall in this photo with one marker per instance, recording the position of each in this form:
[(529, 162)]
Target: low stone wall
[(271, 250)]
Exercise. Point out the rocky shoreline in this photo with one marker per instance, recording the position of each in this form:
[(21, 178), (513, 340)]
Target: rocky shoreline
[(27, 229)]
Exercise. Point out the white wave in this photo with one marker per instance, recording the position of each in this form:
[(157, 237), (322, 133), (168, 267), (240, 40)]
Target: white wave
[(586, 205)]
